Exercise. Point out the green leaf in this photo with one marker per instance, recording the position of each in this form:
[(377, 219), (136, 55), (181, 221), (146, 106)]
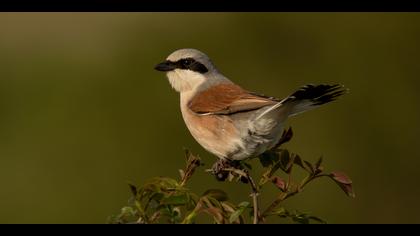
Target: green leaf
[(295, 216), (274, 168), (244, 204), (241, 208), (175, 200), (113, 219), (181, 173), (127, 211), (303, 164), (190, 218), (279, 211), (300, 219), (217, 194), (268, 158), (161, 184), (128, 214), (319, 220), (284, 159), (139, 207), (157, 196), (227, 207), (216, 213)]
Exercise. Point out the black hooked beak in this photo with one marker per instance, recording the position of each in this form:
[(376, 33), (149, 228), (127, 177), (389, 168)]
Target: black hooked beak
[(165, 66)]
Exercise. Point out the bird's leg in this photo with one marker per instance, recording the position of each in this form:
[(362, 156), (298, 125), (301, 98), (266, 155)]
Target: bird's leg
[(218, 169), (221, 167)]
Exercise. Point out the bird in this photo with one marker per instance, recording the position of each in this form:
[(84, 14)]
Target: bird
[(230, 122)]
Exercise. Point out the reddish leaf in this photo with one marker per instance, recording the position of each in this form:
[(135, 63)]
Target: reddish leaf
[(341, 177), (344, 182), (348, 189), (279, 182)]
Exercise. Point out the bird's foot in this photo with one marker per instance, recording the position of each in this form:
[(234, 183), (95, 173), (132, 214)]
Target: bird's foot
[(222, 168), (219, 169)]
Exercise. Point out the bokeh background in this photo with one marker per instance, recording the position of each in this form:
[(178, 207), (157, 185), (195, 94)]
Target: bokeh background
[(82, 112)]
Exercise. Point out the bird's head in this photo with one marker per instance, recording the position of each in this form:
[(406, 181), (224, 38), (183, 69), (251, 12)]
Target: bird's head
[(187, 69)]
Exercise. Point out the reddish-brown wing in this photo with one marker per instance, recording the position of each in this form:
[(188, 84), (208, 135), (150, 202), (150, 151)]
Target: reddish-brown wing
[(228, 99)]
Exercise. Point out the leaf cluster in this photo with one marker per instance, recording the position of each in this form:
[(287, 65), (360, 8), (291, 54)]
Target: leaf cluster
[(167, 200)]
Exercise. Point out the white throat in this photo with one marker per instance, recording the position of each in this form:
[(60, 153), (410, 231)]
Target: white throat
[(185, 80), (190, 82)]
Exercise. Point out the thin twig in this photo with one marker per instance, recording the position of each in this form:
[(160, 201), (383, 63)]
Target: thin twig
[(254, 196), (254, 193), (284, 196), (256, 211)]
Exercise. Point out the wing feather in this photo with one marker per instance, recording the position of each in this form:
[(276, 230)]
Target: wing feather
[(228, 99)]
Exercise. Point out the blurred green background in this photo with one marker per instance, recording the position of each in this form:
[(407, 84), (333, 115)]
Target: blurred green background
[(82, 112)]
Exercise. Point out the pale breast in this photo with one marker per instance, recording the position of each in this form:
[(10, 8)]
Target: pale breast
[(217, 134)]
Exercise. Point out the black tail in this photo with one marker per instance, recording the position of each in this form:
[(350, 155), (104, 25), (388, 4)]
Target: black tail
[(310, 96)]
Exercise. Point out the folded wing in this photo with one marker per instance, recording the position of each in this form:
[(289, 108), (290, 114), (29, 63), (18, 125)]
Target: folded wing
[(225, 99)]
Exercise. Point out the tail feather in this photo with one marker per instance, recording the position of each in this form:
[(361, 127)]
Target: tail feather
[(311, 96)]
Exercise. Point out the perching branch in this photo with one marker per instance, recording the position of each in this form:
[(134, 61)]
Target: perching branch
[(254, 196), (164, 199)]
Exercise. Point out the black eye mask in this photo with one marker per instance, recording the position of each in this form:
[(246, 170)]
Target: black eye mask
[(184, 64), (191, 64)]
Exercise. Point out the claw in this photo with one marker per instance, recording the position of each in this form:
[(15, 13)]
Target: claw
[(220, 172)]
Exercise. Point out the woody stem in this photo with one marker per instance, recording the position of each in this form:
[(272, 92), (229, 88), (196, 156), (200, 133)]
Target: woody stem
[(254, 196)]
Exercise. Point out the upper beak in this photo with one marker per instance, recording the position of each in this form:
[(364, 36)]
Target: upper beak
[(165, 66)]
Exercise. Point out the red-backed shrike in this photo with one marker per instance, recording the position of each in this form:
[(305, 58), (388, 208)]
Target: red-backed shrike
[(227, 120)]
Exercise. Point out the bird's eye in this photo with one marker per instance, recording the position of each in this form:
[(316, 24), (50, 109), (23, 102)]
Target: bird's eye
[(187, 62), (191, 64)]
